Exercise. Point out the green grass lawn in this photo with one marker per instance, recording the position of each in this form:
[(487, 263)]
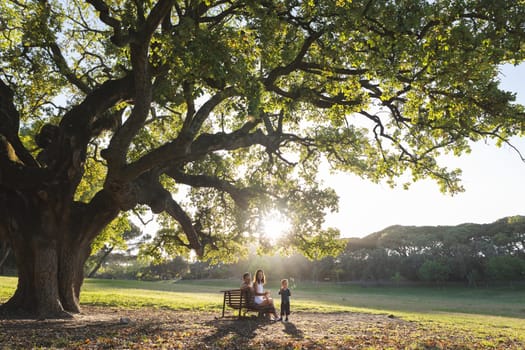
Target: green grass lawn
[(491, 312)]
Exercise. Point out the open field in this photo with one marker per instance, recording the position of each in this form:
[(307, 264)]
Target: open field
[(186, 314)]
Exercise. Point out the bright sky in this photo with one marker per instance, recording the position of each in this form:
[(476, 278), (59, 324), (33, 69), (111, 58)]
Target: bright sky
[(493, 179)]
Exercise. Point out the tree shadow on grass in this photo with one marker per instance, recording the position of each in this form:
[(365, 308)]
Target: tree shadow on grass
[(29, 333), (252, 332), (237, 333)]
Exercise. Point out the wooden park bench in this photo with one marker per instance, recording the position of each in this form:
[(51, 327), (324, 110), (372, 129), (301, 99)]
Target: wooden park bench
[(242, 300)]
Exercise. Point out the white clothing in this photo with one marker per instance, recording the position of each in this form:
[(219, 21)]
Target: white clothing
[(259, 288)]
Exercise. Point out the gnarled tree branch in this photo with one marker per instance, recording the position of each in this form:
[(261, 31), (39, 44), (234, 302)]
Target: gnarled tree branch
[(240, 195)]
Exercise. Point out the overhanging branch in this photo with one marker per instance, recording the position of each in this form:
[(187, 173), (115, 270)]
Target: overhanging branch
[(178, 151), (64, 69), (148, 190), (120, 38), (239, 195), (176, 211)]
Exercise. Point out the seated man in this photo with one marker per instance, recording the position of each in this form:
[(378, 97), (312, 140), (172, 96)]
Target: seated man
[(247, 289), (246, 282)]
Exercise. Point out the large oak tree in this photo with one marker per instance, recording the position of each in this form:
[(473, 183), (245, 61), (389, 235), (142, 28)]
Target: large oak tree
[(215, 113)]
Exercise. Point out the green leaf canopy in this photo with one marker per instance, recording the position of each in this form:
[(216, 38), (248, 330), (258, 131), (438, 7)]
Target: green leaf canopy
[(214, 113)]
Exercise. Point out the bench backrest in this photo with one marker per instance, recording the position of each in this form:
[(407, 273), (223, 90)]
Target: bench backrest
[(234, 297)]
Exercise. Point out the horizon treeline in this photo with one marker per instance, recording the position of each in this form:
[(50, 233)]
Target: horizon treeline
[(469, 253)]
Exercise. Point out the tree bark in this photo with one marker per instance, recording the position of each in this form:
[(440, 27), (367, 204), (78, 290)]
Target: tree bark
[(45, 277), (6, 249), (71, 274), (50, 275)]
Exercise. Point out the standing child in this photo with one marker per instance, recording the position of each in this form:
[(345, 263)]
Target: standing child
[(285, 299)]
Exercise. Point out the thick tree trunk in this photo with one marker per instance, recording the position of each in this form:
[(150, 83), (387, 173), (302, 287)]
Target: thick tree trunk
[(51, 241), (50, 275), (4, 254)]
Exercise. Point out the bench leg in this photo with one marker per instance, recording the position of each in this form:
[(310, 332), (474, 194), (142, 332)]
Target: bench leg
[(240, 306)]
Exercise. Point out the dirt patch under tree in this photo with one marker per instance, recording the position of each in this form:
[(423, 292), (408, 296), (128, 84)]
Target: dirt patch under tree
[(112, 328)]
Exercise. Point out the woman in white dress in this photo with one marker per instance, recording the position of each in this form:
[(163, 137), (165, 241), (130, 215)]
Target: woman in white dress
[(262, 297)]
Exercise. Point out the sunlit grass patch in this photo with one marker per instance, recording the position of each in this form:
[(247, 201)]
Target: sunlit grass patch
[(492, 328), (136, 298), (7, 287), (135, 294), (503, 301)]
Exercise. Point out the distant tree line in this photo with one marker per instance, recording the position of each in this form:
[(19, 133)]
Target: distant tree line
[(468, 253)]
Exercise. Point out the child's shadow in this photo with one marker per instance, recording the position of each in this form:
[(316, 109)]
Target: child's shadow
[(292, 330)]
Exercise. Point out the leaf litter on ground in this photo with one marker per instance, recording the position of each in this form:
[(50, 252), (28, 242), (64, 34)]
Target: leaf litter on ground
[(149, 328)]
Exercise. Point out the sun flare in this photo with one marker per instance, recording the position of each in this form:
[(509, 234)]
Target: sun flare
[(275, 226)]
